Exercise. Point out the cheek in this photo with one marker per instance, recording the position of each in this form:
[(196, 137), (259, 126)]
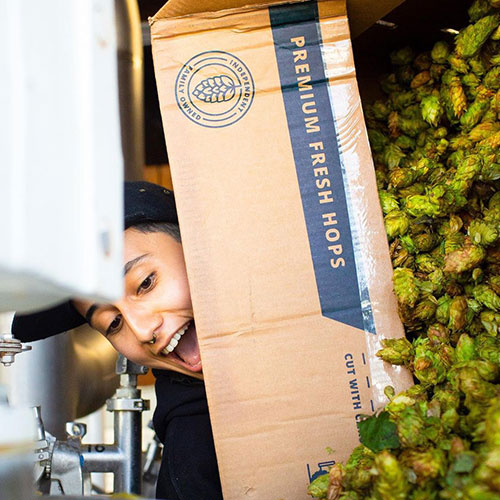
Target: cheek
[(173, 295), (185, 293)]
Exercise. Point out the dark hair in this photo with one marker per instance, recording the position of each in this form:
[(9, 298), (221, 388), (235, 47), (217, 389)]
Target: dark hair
[(169, 228)]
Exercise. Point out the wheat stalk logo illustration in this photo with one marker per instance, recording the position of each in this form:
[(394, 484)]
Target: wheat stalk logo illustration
[(216, 89)]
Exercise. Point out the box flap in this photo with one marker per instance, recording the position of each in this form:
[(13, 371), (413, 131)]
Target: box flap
[(362, 13)]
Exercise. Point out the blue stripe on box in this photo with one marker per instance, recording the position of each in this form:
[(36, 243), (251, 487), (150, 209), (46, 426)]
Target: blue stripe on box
[(311, 124)]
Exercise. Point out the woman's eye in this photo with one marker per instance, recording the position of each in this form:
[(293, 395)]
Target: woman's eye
[(147, 284), (115, 325)]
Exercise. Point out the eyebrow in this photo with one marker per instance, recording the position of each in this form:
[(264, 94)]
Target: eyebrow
[(131, 263), (90, 312), (126, 268)]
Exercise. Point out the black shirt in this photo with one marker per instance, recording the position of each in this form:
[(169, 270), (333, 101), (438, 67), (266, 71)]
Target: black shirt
[(189, 466)]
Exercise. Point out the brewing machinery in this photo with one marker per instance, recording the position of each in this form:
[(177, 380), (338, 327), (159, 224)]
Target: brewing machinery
[(64, 466), (72, 128)]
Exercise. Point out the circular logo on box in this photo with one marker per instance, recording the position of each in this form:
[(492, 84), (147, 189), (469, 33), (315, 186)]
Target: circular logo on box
[(214, 89)]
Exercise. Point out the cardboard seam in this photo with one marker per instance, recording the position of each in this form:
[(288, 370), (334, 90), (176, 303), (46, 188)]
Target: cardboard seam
[(217, 14), (273, 324)]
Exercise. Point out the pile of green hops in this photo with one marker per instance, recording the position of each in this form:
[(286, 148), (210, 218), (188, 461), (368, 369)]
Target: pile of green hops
[(435, 141)]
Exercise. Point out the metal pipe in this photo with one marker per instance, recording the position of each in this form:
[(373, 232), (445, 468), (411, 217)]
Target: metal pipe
[(129, 439), (124, 457), (102, 458), (131, 86)]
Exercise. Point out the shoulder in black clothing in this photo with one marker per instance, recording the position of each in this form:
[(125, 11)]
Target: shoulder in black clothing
[(189, 466)]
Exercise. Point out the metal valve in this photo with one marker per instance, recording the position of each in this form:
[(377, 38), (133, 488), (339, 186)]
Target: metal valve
[(9, 347)]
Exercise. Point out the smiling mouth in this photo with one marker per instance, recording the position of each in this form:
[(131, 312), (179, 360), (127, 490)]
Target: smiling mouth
[(174, 341), (183, 348)]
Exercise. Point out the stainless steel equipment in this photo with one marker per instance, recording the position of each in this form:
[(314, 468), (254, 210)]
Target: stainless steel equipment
[(68, 375), (67, 469), (41, 377), (9, 347), (64, 467)]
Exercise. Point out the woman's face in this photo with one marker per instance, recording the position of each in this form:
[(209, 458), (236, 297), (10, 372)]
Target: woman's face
[(156, 306)]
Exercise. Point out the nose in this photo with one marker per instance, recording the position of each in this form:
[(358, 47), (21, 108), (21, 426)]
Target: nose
[(143, 323)]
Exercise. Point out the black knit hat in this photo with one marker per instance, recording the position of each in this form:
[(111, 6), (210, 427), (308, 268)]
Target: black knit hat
[(144, 202)]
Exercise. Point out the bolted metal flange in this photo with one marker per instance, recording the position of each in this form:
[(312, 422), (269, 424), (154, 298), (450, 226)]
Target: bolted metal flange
[(9, 347)]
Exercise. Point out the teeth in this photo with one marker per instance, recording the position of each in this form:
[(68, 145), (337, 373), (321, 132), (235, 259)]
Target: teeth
[(175, 340)]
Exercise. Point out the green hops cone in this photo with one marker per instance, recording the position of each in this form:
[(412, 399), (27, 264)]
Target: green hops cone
[(396, 351), (426, 464), (486, 296), (457, 313), (431, 110), (431, 362), (391, 483), (471, 39), (405, 286), (482, 233), (465, 349), (396, 223), (464, 259), (440, 52), (388, 202)]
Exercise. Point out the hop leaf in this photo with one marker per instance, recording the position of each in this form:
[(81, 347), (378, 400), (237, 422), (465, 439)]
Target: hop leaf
[(216, 89), (378, 433)]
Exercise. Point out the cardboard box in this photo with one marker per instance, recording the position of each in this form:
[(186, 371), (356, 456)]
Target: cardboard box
[(286, 252)]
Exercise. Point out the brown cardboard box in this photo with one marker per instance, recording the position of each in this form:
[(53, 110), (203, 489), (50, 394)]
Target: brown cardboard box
[(283, 235)]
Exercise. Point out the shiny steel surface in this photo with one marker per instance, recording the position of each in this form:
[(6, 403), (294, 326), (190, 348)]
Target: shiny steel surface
[(68, 375)]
